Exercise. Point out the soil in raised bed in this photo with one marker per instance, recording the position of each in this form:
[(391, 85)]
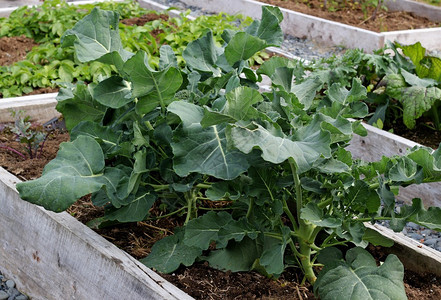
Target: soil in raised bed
[(421, 134), (352, 14), (15, 48), (199, 280)]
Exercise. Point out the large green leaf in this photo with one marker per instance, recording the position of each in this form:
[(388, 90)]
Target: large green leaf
[(96, 37), (360, 197), (376, 238), (203, 230), (170, 252), (136, 210), (238, 256), (268, 28), (277, 149), (430, 218), (152, 88), (203, 150), (359, 277), (76, 171), (416, 100), (243, 46), (430, 162), (106, 136), (306, 91), (312, 213), (269, 66), (425, 66), (113, 92), (339, 93), (235, 230), (77, 104), (405, 170), (239, 106), (202, 54), (273, 254)]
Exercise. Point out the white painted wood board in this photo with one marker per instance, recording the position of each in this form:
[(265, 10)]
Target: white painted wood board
[(414, 255), (53, 256), (421, 9), (38, 107), (324, 31)]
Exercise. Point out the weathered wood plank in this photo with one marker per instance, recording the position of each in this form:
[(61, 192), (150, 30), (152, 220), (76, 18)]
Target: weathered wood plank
[(428, 11), (38, 107), (414, 255), (53, 256), (322, 30)]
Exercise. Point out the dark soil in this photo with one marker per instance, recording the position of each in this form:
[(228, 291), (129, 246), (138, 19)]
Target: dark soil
[(200, 281), (140, 21), (350, 13), (421, 134), (13, 49)]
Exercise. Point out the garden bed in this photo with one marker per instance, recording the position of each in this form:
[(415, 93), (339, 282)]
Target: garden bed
[(78, 264), (62, 230), (326, 31), (79, 170)]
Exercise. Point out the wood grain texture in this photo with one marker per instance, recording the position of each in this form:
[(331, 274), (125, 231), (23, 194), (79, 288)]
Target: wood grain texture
[(53, 256), (414, 255)]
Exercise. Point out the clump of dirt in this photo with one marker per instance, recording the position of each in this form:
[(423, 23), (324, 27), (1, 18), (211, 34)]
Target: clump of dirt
[(140, 21), (13, 49), (44, 90), (354, 15), (203, 282)]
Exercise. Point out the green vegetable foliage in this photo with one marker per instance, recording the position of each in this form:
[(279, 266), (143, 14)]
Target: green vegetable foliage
[(193, 136)]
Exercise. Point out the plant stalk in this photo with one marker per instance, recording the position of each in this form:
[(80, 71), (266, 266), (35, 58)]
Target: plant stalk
[(12, 150)]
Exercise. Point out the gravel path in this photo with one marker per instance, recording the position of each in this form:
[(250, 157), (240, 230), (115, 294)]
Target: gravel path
[(303, 48), (8, 290)]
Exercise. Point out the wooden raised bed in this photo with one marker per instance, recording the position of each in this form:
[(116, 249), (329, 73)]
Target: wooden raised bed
[(53, 256), (325, 31)]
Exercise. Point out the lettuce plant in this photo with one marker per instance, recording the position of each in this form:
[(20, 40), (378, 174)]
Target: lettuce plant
[(290, 190)]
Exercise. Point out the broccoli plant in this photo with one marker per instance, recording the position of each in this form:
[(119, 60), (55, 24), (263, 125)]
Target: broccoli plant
[(290, 190)]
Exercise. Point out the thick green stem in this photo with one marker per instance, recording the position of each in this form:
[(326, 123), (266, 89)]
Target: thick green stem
[(191, 206), (203, 186), (305, 241), (325, 203)]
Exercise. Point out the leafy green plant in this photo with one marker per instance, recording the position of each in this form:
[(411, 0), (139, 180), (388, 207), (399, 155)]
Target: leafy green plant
[(49, 65), (185, 136), (31, 136)]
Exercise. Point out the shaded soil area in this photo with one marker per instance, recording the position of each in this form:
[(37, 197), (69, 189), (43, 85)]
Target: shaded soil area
[(351, 13), (200, 281), (420, 134), (13, 49)]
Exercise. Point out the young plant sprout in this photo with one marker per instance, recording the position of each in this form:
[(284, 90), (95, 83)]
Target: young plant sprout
[(31, 136)]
